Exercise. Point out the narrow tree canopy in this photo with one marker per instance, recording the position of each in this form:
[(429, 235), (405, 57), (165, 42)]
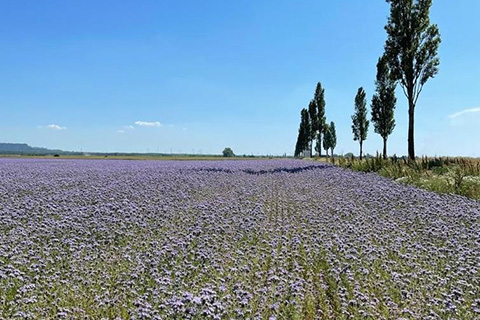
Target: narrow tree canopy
[(383, 102), (359, 118), (306, 128), (312, 116), (319, 100), (303, 133), (327, 138), (333, 136)]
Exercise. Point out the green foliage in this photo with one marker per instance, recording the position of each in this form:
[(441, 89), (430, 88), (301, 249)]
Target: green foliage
[(228, 152), (303, 133), (444, 175), (312, 116), (411, 49), (383, 102), (359, 119), (298, 145), (327, 138), (333, 136), (318, 144), (319, 99)]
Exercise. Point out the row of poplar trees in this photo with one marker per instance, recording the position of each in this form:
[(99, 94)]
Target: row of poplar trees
[(314, 126), (410, 59), (383, 108)]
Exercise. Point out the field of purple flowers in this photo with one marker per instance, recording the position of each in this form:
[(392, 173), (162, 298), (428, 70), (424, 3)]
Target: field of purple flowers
[(276, 239)]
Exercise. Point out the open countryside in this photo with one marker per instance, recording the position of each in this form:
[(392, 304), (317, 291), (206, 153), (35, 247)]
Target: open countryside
[(221, 239), (222, 160)]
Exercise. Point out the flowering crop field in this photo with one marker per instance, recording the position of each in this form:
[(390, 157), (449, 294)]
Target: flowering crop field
[(271, 239)]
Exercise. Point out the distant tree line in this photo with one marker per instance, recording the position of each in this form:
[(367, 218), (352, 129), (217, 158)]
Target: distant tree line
[(409, 59)]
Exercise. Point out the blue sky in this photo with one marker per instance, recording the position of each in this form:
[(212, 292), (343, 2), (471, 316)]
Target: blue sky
[(197, 76)]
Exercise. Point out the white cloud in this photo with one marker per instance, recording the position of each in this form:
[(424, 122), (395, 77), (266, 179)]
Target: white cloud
[(53, 127), (130, 127), (463, 112), (147, 124), (121, 131)]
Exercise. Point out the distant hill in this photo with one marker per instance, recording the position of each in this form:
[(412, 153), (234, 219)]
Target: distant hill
[(23, 148)]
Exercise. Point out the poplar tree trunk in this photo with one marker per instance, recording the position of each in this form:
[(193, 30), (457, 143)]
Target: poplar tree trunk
[(411, 123), (384, 148), (320, 148), (361, 149)]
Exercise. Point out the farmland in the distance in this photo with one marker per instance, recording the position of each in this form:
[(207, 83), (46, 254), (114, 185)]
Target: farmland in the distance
[(269, 239)]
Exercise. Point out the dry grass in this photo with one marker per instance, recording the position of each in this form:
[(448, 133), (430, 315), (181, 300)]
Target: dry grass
[(457, 175)]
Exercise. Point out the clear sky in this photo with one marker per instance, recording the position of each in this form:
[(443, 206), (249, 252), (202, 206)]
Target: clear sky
[(198, 76)]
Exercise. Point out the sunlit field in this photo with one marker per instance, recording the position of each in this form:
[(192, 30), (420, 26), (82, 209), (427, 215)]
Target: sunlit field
[(257, 239), (452, 175)]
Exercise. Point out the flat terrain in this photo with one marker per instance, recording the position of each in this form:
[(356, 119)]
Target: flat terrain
[(270, 239), (178, 157)]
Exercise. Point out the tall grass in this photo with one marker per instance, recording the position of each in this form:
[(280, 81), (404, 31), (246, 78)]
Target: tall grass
[(440, 174)]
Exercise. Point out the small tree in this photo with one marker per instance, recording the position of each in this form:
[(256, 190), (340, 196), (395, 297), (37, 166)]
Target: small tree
[(333, 136), (411, 49), (228, 152), (319, 100), (359, 119), (383, 102)]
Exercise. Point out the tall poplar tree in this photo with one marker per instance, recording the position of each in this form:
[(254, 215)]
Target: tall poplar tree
[(312, 116), (319, 100), (383, 102), (359, 119), (411, 48)]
